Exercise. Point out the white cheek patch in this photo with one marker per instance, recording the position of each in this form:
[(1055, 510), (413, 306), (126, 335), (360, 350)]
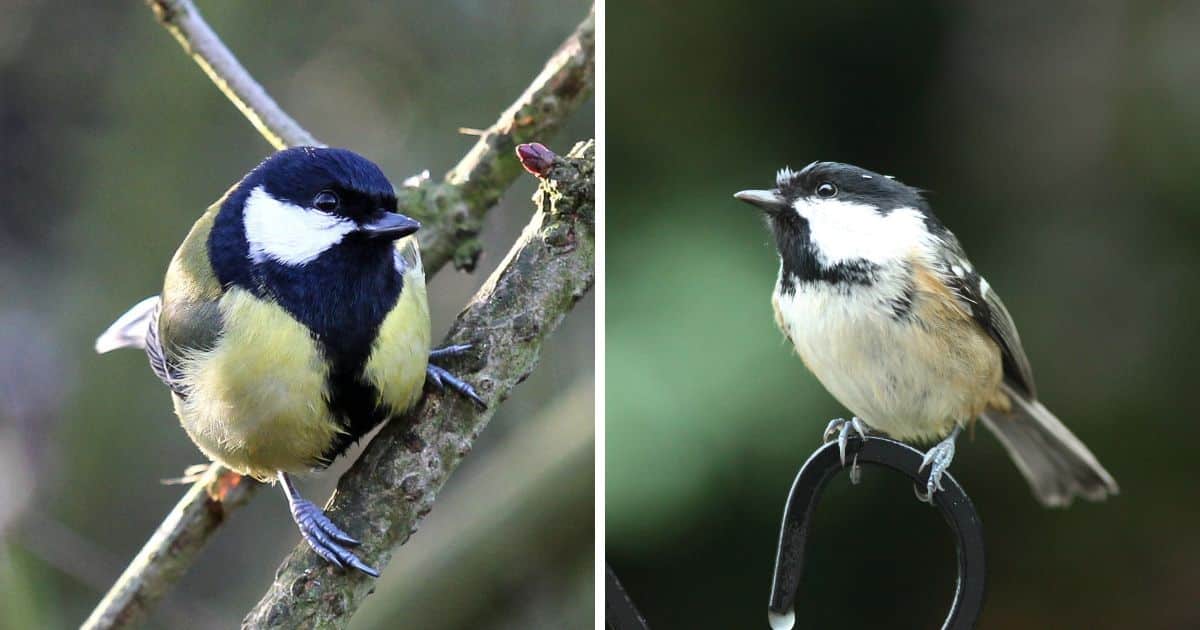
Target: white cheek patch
[(287, 233), (843, 231)]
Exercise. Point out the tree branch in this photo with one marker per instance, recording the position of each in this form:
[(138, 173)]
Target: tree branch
[(514, 514), (170, 551), (183, 20), (451, 214), (393, 484)]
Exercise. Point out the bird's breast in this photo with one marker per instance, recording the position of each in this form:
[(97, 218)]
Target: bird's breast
[(256, 401), (400, 353), (912, 376), (265, 398)]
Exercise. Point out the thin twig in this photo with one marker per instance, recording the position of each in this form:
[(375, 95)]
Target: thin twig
[(184, 21), (60, 547), (393, 484), (451, 213)]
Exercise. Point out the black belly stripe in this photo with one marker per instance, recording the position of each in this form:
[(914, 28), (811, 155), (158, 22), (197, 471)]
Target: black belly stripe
[(343, 297), (353, 401)]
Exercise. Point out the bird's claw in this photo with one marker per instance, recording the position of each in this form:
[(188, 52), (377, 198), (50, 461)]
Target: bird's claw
[(938, 460), (449, 351), (855, 471), (841, 427), (440, 378), (190, 475), (327, 539)]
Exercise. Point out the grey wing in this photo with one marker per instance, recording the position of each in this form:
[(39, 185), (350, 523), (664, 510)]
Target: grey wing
[(163, 369), (1000, 326), (989, 312)]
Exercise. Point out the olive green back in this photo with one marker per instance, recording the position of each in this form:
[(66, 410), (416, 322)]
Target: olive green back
[(191, 318)]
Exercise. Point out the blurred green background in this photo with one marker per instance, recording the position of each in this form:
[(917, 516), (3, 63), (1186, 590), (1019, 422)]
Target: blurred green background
[(1060, 141), (113, 143)]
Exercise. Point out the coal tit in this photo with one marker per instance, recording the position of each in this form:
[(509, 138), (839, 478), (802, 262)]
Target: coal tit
[(883, 306)]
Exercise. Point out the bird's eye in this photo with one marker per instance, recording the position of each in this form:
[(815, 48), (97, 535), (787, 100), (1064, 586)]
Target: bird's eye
[(826, 190), (326, 201)]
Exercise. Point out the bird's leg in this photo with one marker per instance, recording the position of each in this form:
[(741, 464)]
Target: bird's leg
[(440, 377), (938, 458), (841, 428), (325, 538)]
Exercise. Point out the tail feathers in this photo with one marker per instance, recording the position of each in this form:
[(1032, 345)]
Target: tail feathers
[(1056, 463), (130, 329)]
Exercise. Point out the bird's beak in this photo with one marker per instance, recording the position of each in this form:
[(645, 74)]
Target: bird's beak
[(768, 200), (390, 225)]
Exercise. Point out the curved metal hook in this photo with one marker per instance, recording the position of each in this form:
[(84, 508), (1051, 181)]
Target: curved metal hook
[(953, 502), (619, 611)]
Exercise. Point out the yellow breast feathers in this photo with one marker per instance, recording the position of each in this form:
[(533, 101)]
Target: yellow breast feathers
[(398, 358), (256, 400)]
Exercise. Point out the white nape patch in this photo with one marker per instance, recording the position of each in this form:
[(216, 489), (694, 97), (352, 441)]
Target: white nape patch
[(984, 287), (843, 231), (286, 233)]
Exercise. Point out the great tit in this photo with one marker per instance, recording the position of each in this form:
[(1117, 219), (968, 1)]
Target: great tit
[(293, 319), (882, 305)]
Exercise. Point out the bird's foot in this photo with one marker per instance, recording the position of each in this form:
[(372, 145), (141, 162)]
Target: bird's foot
[(938, 459), (841, 428), (441, 378), (191, 474), (325, 538), (449, 351)]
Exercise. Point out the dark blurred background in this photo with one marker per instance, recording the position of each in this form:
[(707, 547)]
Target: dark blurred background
[(1060, 141), (112, 142)]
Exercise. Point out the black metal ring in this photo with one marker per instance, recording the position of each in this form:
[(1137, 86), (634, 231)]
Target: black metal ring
[(953, 502)]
